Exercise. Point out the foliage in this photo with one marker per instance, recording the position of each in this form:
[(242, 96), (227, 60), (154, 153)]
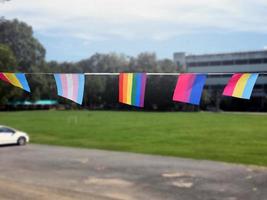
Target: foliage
[(21, 52), (7, 58), (18, 36), (7, 64)]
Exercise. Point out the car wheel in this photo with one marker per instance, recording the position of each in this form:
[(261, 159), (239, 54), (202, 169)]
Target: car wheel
[(22, 141)]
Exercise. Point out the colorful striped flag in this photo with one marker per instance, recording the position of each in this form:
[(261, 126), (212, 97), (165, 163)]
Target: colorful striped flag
[(241, 85), (16, 79), (189, 88), (70, 86), (132, 88)]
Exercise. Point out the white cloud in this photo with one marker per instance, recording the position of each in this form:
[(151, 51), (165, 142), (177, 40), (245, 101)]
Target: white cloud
[(131, 19)]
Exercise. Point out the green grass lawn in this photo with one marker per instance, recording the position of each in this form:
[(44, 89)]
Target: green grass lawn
[(239, 138)]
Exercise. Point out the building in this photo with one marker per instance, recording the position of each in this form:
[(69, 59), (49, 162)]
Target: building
[(234, 62)]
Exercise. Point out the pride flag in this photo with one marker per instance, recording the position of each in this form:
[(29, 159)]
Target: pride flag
[(132, 88), (240, 85), (189, 88), (16, 79), (70, 86)]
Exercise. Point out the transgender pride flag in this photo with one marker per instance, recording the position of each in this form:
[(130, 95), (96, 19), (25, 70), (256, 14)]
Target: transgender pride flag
[(70, 86)]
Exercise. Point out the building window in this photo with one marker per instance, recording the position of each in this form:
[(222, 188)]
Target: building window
[(191, 64), (228, 62), (202, 64), (255, 61), (215, 63), (241, 62)]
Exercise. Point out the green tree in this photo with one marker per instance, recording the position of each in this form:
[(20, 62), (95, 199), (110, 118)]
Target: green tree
[(7, 58), (18, 36), (21, 52), (145, 62), (7, 64)]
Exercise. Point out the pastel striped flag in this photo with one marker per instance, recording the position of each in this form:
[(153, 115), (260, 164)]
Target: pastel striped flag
[(241, 85), (132, 88), (189, 88), (70, 86), (16, 79)]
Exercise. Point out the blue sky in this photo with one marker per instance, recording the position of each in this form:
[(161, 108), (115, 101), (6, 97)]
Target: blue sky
[(74, 30)]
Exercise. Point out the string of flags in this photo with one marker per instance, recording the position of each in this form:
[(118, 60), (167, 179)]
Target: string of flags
[(132, 86)]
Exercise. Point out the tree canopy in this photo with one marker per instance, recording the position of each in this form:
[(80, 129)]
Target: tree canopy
[(18, 36), (7, 58)]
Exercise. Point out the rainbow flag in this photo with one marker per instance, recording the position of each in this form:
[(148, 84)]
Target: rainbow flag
[(189, 88), (132, 88), (70, 86), (16, 79), (241, 85)]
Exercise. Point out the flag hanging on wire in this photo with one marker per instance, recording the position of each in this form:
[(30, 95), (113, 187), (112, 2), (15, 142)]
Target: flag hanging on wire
[(189, 88), (132, 88), (241, 85), (70, 86), (16, 79)]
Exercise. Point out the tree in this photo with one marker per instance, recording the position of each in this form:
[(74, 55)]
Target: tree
[(7, 64), (145, 62), (21, 52), (102, 91), (7, 58), (18, 36)]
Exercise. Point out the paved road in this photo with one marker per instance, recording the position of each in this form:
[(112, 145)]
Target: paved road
[(45, 172)]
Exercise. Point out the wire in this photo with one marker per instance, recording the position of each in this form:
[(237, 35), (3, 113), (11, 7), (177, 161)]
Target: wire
[(149, 74)]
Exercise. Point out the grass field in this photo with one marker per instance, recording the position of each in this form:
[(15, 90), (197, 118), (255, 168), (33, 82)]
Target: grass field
[(239, 138)]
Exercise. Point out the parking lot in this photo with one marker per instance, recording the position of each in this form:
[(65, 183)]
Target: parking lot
[(49, 172)]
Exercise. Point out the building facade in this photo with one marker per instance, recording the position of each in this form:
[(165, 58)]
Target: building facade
[(234, 62)]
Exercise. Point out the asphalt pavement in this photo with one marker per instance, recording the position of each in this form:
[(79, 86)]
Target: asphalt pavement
[(48, 172)]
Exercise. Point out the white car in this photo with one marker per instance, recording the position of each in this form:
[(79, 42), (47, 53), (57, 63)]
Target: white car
[(12, 136)]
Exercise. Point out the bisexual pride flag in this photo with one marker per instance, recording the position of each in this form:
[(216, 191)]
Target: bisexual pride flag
[(241, 85), (17, 79), (70, 86), (189, 88), (132, 88)]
